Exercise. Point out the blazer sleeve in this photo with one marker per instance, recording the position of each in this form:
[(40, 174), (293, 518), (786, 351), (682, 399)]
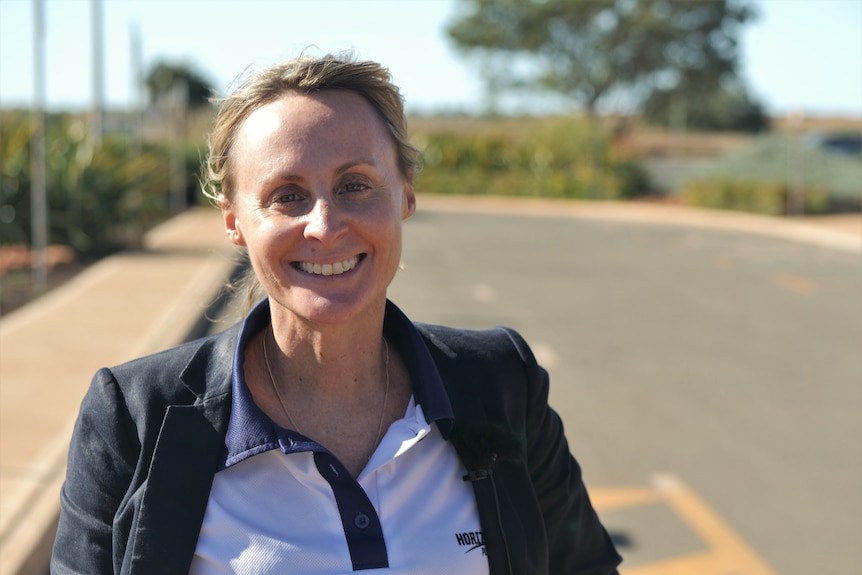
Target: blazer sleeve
[(578, 544), (101, 465)]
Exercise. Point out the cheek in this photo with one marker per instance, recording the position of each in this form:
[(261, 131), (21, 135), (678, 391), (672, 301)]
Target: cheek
[(267, 243), (393, 242)]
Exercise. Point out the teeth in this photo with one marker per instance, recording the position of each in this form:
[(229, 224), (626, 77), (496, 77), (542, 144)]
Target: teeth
[(335, 269)]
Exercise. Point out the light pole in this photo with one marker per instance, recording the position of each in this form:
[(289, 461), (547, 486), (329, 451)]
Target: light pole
[(97, 112), (38, 195)]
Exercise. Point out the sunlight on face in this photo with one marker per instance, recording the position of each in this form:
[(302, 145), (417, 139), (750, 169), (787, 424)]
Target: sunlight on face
[(319, 204)]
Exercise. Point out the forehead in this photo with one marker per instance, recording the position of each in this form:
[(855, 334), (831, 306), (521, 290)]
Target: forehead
[(296, 119)]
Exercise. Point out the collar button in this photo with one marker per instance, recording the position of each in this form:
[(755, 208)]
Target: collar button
[(361, 520)]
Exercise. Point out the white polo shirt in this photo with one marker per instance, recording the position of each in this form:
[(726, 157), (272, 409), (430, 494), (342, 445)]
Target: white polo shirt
[(282, 504)]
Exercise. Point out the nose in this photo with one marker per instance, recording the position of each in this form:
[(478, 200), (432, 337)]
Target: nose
[(324, 222)]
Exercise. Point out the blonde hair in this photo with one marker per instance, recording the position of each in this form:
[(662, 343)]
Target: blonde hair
[(303, 75)]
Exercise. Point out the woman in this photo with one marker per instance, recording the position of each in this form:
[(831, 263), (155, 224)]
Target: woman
[(326, 433)]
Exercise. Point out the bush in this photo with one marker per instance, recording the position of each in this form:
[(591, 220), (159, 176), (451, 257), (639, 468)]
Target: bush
[(100, 199), (779, 174), (768, 198), (527, 157)]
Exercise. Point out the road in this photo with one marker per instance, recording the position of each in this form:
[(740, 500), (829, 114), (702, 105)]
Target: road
[(710, 381)]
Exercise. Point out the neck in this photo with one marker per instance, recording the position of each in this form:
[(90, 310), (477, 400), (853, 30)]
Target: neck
[(341, 386), (323, 360)]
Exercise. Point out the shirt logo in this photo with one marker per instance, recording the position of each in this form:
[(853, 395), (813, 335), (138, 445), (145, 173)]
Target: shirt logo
[(472, 540)]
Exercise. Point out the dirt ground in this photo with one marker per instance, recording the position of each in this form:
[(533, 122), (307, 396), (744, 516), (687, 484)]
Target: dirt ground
[(16, 286), (16, 273)]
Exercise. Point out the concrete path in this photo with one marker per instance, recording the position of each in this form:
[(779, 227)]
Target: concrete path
[(119, 308)]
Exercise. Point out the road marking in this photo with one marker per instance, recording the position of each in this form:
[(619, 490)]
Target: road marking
[(796, 284), (606, 499), (726, 553)]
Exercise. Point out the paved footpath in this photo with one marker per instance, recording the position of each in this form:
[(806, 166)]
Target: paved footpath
[(131, 304), (121, 307)]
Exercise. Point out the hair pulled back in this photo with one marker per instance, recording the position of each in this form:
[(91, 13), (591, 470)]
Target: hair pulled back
[(303, 75)]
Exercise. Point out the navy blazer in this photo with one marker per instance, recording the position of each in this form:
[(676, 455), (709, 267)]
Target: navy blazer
[(150, 434)]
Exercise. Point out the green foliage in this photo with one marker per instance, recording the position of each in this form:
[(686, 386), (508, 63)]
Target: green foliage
[(730, 108), (777, 174), (100, 199), (589, 49), (769, 198), (549, 158), (178, 82)]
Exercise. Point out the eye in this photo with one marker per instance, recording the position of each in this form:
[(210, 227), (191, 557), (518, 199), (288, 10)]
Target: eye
[(353, 187), (286, 198)]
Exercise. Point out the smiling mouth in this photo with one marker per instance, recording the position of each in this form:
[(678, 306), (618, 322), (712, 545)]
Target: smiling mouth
[(335, 269)]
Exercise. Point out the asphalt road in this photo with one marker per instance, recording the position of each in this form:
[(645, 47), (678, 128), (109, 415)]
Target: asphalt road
[(727, 363)]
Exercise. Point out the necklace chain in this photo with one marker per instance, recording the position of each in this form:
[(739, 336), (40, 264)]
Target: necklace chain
[(284, 406)]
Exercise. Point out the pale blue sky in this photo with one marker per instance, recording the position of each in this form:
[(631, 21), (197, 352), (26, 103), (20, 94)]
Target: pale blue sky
[(801, 56)]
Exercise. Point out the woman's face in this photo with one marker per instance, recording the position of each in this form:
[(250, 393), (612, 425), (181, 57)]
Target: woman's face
[(319, 201)]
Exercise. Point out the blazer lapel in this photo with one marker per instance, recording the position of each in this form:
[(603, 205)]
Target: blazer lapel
[(184, 462), (501, 526), (177, 492)]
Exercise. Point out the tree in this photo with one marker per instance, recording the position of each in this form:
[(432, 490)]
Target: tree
[(730, 107), (166, 82), (590, 49)]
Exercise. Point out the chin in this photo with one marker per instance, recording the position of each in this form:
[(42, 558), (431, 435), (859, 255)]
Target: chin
[(332, 310)]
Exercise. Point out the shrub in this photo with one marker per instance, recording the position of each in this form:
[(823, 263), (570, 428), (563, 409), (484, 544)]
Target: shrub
[(525, 157), (100, 198), (768, 198), (779, 174)]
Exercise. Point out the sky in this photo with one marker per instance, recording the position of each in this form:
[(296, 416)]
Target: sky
[(799, 57)]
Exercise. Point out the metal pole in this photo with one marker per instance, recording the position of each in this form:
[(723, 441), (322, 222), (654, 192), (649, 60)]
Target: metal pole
[(179, 107), (97, 114), (38, 194), (137, 67), (795, 201), (136, 115)]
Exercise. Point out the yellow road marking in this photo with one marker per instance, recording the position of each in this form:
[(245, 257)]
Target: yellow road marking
[(726, 553), (705, 563), (607, 498), (796, 284)]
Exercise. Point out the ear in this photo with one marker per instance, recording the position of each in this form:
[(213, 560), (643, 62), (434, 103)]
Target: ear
[(408, 206), (231, 222)]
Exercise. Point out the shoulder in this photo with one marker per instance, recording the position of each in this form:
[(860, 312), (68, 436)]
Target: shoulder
[(493, 367), (176, 359), (499, 344), (175, 375)]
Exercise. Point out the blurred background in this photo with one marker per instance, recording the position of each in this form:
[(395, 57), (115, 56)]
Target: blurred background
[(745, 105), (693, 350)]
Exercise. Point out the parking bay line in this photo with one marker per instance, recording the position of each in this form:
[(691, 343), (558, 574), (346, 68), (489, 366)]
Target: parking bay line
[(725, 553)]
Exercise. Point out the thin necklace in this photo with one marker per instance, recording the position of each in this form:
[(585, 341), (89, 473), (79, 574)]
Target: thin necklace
[(284, 406)]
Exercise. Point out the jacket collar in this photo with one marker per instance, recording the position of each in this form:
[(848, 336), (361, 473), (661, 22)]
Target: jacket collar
[(192, 437), (208, 373), (251, 432)]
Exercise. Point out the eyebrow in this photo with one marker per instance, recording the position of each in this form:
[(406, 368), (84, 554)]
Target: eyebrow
[(345, 167)]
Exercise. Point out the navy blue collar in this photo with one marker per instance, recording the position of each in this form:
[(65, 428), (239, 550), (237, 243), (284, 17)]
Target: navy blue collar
[(250, 431)]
